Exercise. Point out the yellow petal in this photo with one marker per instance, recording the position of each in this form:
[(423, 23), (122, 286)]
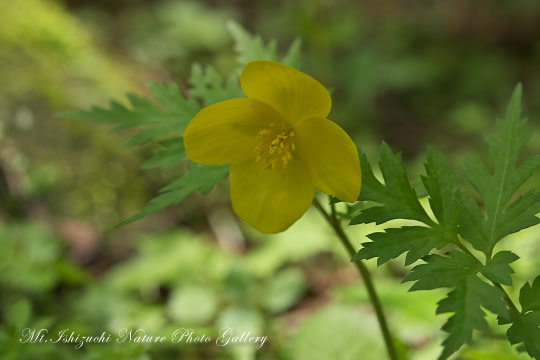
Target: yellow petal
[(267, 199), (330, 157), (295, 95), (225, 133)]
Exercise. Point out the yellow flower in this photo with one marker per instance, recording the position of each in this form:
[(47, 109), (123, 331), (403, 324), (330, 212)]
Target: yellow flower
[(279, 144)]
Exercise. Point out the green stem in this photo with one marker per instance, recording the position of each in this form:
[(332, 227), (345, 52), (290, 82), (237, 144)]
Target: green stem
[(366, 277)]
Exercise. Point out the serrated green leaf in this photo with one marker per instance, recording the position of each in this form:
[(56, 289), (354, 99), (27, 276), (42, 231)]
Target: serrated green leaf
[(525, 330), (169, 96), (198, 177), (520, 214), (250, 47), (209, 87), (445, 201), (466, 302), (416, 241), (153, 134), (168, 117), (397, 197), (471, 223), (498, 269), (443, 271), (483, 228), (529, 296), (459, 271), (171, 153), (496, 189)]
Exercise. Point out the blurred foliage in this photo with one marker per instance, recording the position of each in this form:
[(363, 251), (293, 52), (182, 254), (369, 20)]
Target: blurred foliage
[(191, 26), (405, 72), (46, 54)]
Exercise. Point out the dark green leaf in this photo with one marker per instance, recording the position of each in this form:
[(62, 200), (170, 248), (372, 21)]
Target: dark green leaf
[(397, 198), (443, 271), (529, 296), (498, 269), (459, 270), (519, 215), (444, 200), (525, 330), (466, 302), (472, 226), (497, 188), (417, 241)]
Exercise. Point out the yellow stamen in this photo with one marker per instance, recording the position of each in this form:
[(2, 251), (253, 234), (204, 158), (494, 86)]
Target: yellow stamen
[(275, 145)]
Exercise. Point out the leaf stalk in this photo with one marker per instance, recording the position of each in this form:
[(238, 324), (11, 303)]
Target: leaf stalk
[(334, 222)]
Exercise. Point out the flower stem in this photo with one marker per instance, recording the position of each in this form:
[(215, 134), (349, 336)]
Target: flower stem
[(366, 277)]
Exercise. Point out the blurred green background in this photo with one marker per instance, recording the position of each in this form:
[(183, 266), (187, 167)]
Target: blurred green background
[(409, 72)]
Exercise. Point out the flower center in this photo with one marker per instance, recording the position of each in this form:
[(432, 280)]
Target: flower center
[(275, 146)]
